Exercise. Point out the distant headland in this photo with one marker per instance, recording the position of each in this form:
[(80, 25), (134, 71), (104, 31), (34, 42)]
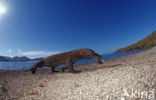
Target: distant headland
[(17, 59), (148, 42)]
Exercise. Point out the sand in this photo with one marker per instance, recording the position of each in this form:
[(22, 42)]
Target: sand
[(131, 77)]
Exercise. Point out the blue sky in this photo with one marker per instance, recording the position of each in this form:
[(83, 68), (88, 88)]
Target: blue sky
[(36, 28)]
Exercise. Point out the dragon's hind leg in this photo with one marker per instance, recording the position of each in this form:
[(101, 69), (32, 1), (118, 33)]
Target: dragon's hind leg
[(70, 65)]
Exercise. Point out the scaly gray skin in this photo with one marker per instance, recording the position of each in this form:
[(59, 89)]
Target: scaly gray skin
[(68, 58), (70, 63)]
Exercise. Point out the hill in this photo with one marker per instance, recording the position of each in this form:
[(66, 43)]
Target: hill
[(145, 43), (17, 59)]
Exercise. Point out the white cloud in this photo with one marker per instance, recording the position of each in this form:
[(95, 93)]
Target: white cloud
[(19, 50), (9, 51), (36, 53)]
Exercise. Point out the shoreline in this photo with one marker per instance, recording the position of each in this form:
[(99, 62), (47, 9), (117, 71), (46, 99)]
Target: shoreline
[(136, 71), (83, 62)]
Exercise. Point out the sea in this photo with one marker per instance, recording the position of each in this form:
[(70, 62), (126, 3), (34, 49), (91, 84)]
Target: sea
[(27, 64)]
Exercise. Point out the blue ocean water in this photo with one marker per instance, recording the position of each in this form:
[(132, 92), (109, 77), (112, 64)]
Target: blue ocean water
[(26, 65)]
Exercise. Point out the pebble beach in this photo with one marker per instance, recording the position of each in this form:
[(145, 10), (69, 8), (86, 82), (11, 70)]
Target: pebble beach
[(131, 77)]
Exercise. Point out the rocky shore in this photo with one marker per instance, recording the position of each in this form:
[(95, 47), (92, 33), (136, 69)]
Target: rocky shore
[(131, 77)]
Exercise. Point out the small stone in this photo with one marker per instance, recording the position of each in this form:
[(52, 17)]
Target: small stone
[(41, 85), (76, 85), (101, 98), (132, 67), (5, 82), (3, 88), (145, 85), (46, 80), (122, 98)]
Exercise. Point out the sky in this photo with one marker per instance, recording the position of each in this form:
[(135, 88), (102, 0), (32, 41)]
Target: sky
[(38, 28)]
